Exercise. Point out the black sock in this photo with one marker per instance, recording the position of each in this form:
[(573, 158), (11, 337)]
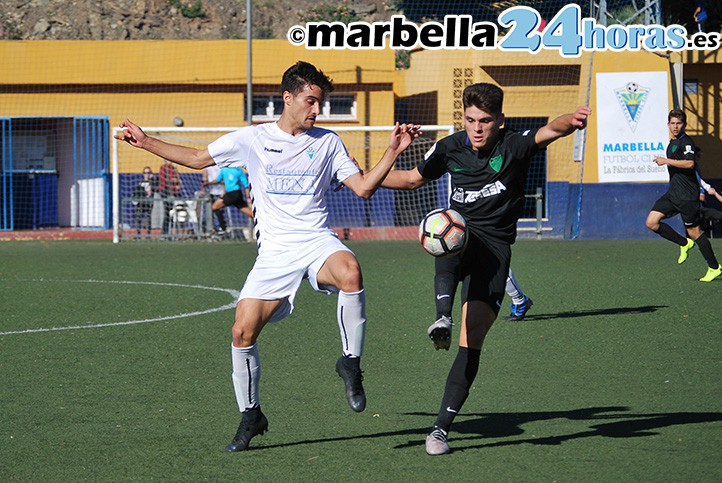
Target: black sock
[(706, 248), (668, 233), (221, 219), (445, 282), (461, 376)]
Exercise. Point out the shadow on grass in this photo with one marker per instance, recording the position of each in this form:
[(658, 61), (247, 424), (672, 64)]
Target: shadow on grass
[(472, 429), (645, 309), (621, 424)]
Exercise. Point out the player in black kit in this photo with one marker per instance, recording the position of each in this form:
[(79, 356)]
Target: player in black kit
[(488, 165), (682, 197)]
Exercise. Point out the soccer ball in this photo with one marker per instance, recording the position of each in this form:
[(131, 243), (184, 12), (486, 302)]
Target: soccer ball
[(442, 232)]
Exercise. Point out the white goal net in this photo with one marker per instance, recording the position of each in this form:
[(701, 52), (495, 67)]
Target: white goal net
[(148, 208)]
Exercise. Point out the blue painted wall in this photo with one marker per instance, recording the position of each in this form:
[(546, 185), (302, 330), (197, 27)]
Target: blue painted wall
[(609, 210)]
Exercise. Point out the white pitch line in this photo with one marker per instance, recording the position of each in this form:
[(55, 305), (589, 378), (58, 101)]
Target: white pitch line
[(233, 293)]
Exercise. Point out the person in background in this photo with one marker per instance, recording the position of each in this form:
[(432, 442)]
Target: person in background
[(709, 216), (169, 187), (682, 197), (143, 202), (700, 15), (237, 193), (215, 190)]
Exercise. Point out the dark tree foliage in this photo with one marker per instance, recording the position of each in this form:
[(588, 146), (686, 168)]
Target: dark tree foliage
[(680, 12)]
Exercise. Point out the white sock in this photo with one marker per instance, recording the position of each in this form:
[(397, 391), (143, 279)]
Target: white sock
[(246, 374), (513, 288), (351, 315)]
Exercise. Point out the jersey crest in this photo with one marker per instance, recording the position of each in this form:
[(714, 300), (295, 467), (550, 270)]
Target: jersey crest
[(496, 162)]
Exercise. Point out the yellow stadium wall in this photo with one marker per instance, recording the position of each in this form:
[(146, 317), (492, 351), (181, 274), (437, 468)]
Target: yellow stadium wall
[(202, 82), (435, 71)]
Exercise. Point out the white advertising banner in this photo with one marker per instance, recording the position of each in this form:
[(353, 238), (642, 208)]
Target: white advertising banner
[(632, 110)]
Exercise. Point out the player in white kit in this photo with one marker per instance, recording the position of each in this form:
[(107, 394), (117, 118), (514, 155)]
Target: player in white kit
[(291, 165)]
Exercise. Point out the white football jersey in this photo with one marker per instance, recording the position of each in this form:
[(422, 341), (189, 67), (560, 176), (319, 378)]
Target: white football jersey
[(215, 189), (289, 176)]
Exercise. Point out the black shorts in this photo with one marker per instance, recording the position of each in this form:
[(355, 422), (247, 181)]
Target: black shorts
[(483, 268), (235, 198), (687, 209)]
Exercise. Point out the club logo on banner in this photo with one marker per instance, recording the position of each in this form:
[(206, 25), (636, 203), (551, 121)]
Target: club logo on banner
[(632, 129), (632, 98)]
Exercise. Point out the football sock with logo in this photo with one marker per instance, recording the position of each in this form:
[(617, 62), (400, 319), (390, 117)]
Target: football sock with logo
[(461, 376), (706, 248), (246, 374), (445, 283), (668, 233), (351, 315), (513, 289)]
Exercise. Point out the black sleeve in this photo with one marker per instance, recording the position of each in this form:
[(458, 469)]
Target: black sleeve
[(433, 166), (689, 149), (524, 146)]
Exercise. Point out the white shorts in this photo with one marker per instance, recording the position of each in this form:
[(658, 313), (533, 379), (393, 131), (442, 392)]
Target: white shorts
[(278, 274)]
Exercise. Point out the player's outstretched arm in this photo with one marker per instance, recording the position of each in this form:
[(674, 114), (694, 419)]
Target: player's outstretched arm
[(404, 179), (677, 163), (562, 126), (183, 155), (366, 184)]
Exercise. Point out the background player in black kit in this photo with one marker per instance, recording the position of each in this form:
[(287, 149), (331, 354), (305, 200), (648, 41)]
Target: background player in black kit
[(682, 197), (488, 166)]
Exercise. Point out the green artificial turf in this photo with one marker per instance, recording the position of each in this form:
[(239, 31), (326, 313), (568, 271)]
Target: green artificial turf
[(613, 376)]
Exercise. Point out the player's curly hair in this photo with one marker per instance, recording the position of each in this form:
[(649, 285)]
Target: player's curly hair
[(302, 73), (485, 96)]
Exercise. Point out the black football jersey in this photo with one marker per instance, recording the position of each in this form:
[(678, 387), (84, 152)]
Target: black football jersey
[(683, 184), (487, 187)]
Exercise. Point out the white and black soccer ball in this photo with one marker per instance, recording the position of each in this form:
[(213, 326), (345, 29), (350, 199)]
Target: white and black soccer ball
[(442, 232), (632, 87)]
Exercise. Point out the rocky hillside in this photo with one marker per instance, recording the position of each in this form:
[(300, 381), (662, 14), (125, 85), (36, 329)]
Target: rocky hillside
[(169, 19)]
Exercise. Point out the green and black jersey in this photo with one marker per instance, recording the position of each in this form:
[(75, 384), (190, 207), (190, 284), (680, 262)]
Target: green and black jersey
[(487, 187), (683, 184)]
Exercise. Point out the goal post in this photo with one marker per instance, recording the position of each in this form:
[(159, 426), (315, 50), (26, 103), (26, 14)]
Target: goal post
[(389, 214), (127, 165)]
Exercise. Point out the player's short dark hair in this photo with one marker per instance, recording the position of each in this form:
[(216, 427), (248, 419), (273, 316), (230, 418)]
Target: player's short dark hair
[(485, 96), (679, 114), (301, 74)]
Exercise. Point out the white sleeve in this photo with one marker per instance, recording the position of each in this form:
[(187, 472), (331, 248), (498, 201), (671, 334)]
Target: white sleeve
[(343, 165), (230, 150)]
